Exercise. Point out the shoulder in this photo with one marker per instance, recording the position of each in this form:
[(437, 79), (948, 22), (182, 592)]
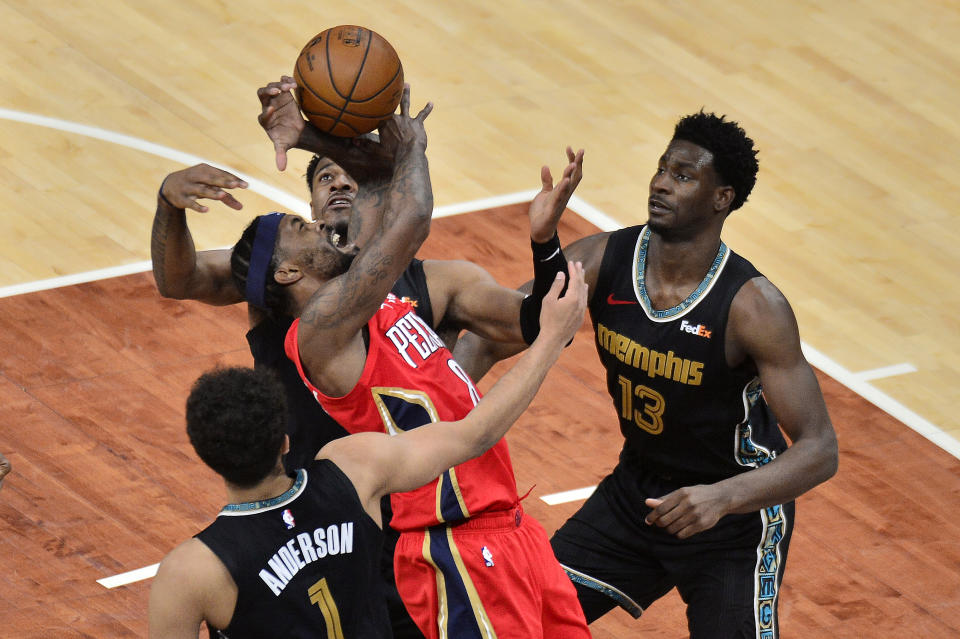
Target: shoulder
[(588, 247), (365, 460), (589, 251), (762, 323), (191, 585), (191, 561), (759, 299)]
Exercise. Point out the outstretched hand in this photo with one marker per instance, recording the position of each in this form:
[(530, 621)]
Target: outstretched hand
[(548, 205), (182, 189), (560, 317), (280, 117), (401, 130)]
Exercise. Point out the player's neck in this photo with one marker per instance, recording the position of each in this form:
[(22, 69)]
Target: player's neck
[(300, 295), (681, 260), (273, 486)]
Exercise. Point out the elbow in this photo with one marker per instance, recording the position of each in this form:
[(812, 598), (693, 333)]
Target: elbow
[(833, 460), (476, 442), (829, 462), (423, 216), (169, 292)]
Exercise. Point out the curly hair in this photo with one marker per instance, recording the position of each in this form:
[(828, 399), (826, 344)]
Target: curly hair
[(734, 156), (236, 422), (274, 296)]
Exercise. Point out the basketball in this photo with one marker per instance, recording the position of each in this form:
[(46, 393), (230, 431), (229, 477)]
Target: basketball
[(349, 79)]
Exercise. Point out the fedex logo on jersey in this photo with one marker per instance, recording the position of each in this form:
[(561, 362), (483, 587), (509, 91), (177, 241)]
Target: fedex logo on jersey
[(699, 329), (414, 339)]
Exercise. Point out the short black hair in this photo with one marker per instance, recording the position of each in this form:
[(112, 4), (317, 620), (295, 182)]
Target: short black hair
[(734, 156), (236, 422), (366, 175), (312, 169), (274, 295)]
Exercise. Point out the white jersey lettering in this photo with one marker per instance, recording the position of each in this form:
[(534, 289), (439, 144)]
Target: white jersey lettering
[(298, 552)]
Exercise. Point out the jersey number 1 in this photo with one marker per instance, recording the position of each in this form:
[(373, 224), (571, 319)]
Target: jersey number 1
[(320, 595)]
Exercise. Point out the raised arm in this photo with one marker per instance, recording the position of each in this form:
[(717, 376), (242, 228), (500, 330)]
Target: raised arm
[(335, 313), (468, 297), (763, 328), (179, 270), (379, 464)]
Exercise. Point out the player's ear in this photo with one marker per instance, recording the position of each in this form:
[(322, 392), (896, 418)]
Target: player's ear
[(286, 445), (287, 273), (723, 198)]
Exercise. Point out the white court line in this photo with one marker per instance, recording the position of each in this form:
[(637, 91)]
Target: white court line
[(886, 371), (143, 266), (76, 278), (568, 495), (125, 578), (881, 400), (851, 380), (279, 196)]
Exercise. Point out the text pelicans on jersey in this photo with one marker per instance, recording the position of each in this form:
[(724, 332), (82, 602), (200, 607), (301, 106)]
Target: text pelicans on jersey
[(411, 331)]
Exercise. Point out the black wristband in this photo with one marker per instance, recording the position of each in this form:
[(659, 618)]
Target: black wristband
[(548, 259), (164, 198)]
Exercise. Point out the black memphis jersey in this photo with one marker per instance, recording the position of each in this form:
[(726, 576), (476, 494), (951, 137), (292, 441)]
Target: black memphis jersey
[(684, 413), (308, 425), (305, 562)]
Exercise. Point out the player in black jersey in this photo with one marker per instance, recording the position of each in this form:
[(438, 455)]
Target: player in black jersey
[(703, 361), (295, 555)]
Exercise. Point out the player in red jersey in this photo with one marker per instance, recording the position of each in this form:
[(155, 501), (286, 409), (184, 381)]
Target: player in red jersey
[(250, 575), (469, 563)]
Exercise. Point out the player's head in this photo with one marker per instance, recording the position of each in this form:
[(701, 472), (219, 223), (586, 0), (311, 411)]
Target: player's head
[(332, 191), (235, 421), (276, 252), (734, 156)]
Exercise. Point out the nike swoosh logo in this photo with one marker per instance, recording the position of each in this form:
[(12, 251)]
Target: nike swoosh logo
[(610, 300)]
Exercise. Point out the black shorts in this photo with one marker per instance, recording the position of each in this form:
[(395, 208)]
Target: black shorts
[(729, 576)]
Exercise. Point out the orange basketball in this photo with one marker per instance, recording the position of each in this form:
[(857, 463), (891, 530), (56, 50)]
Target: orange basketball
[(349, 79)]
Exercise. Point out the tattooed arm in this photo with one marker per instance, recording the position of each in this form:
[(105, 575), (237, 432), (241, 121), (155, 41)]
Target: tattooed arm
[(179, 270), (329, 336)]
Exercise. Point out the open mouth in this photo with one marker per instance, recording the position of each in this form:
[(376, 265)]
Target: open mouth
[(336, 230), (657, 205), (338, 235)]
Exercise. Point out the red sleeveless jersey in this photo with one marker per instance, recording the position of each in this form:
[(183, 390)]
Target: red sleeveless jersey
[(411, 379)]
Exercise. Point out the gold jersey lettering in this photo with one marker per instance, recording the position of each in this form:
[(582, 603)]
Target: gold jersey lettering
[(653, 363)]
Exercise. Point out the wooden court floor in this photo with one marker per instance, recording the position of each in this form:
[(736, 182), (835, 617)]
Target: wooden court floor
[(93, 378)]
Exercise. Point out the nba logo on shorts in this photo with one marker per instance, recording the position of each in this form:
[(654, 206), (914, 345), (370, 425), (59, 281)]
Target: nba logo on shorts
[(288, 519), (487, 556)]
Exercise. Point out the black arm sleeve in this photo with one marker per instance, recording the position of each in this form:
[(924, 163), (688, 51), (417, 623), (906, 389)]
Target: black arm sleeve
[(548, 259)]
